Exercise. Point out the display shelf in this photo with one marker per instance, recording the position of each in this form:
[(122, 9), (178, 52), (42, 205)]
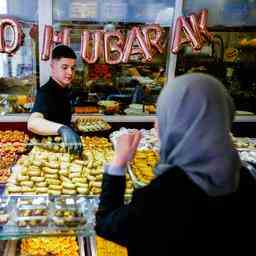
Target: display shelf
[(22, 118)]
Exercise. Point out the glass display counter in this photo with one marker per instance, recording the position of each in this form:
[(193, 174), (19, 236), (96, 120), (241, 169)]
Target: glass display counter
[(27, 216)]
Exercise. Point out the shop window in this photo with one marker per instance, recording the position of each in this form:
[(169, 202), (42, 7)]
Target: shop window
[(19, 69), (101, 82), (232, 56)]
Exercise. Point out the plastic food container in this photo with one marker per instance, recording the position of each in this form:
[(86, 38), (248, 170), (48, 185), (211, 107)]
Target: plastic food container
[(71, 212), (42, 215), (35, 207), (31, 221), (4, 211), (68, 217)]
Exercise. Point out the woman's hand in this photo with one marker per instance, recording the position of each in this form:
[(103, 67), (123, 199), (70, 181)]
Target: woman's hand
[(126, 146)]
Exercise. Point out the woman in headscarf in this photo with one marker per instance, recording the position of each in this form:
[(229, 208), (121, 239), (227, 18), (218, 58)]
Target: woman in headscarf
[(190, 202)]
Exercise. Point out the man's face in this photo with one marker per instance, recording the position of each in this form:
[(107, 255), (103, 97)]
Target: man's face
[(63, 71)]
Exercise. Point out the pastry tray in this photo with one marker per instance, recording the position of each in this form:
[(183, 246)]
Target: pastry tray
[(12, 247), (93, 250), (135, 181)]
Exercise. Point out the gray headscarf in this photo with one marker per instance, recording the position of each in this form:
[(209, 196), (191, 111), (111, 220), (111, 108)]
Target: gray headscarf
[(195, 115)]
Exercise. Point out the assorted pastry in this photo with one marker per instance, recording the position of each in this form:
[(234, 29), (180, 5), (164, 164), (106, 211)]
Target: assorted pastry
[(243, 143), (109, 106), (12, 144), (4, 174), (67, 212), (105, 247), (68, 217), (53, 144), (86, 109), (45, 172), (48, 170), (31, 212), (92, 124), (143, 165), (43, 246), (149, 138)]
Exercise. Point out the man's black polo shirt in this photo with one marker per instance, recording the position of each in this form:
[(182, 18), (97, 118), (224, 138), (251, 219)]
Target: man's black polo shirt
[(53, 102)]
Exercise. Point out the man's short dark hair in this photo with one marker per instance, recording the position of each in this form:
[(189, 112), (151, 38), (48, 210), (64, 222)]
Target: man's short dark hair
[(63, 51)]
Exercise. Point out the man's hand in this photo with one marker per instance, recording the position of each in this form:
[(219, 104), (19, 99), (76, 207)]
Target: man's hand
[(71, 140)]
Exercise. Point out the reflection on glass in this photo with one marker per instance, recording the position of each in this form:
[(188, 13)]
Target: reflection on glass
[(104, 82), (130, 11), (3, 7), (18, 72), (23, 9), (231, 58), (100, 87), (225, 12)]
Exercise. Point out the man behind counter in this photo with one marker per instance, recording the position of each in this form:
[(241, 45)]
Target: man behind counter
[(51, 114)]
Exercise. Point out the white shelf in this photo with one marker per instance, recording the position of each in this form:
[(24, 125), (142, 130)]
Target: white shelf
[(16, 118)]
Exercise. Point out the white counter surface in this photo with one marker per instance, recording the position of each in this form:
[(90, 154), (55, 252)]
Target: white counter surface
[(16, 118)]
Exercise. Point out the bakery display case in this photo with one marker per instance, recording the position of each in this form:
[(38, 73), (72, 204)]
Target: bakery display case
[(98, 85), (52, 192)]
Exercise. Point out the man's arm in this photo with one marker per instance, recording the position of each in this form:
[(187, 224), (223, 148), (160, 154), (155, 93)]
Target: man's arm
[(39, 125)]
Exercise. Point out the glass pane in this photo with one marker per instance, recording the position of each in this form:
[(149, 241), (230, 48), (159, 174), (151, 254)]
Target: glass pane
[(22, 9), (225, 12), (231, 58), (19, 70), (114, 10), (104, 82)]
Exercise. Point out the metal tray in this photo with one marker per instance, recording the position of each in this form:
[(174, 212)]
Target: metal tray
[(135, 181), (12, 247), (91, 245)]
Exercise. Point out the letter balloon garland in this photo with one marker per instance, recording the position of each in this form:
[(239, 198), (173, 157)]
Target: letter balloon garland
[(114, 47), (191, 30), (17, 36)]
